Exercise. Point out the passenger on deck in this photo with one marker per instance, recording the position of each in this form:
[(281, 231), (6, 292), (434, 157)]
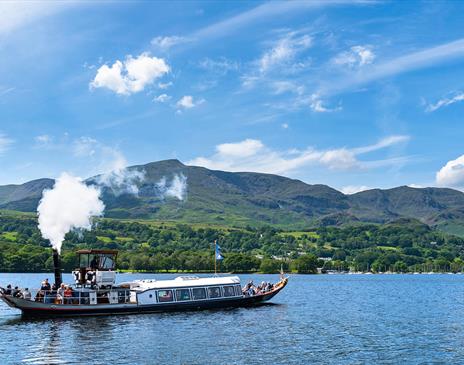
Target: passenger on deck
[(45, 286), (16, 292), (60, 293), (26, 294), (94, 263), (68, 294), (8, 290)]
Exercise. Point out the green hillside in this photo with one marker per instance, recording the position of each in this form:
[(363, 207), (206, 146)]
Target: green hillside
[(403, 245)]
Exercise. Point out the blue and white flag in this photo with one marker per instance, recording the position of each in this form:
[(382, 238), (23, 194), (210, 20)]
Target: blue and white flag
[(218, 253)]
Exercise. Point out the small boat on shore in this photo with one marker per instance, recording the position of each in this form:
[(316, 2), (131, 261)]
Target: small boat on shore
[(95, 292)]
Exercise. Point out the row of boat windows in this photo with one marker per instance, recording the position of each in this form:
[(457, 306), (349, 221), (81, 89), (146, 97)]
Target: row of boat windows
[(181, 295)]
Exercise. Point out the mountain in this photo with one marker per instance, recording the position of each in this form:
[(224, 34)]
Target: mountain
[(24, 197), (248, 198)]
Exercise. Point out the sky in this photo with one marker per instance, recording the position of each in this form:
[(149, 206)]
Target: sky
[(352, 94)]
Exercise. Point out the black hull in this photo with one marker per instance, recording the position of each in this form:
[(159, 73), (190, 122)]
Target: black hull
[(50, 311), (158, 308)]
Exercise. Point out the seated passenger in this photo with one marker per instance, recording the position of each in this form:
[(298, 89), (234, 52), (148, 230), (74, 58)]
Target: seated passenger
[(26, 294), (68, 294), (60, 293), (8, 290), (16, 292)]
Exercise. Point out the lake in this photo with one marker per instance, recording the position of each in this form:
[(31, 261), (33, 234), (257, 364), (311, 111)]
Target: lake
[(324, 319)]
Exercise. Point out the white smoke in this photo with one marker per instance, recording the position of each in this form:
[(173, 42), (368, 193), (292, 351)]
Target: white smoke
[(176, 189), (119, 178), (69, 205)]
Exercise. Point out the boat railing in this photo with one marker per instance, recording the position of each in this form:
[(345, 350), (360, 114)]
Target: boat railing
[(79, 297)]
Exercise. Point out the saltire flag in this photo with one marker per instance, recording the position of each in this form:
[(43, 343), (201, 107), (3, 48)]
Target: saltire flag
[(218, 253)]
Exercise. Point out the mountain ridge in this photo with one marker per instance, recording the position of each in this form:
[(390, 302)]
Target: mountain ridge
[(251, 198)]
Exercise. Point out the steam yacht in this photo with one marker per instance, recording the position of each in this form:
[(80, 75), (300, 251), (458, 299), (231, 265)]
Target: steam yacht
[(95, 292)]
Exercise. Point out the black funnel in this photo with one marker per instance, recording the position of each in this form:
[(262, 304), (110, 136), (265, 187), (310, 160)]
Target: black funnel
[(57, 268)]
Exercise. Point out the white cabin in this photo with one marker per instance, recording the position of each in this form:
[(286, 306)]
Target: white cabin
[(183, 289)]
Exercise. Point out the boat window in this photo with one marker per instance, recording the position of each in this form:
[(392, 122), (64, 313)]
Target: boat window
[(182, 294), (199, 293), (83, 260), (238, 290), (229, 291), (93, 262), (214, 292), (106, 262), (165, 296)]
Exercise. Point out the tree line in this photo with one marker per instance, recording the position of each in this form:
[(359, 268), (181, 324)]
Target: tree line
[(401, 246)]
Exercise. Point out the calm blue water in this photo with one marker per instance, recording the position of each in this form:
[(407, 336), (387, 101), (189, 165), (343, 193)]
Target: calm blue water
[(325, 319)]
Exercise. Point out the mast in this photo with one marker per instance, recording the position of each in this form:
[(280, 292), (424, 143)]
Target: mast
[(215, 256)]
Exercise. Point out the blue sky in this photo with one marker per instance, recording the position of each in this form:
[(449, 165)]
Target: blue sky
[(353, 94)]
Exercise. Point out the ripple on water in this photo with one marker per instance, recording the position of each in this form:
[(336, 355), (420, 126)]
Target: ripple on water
[(327, 319)]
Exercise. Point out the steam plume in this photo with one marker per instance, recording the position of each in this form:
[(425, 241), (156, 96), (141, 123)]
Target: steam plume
[(71, 204), (176, 189), (120, 179)]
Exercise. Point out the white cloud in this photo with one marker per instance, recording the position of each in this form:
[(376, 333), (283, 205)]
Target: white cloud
[(409, 62), (187, 102), (253, 155), (261, 13), (340, 159), (5, 143), (246, 148), (132, 75), (6, 91), (165, 85), (163, 98), (249, 81), (384, 142), (353, 189), (284, 125), (452, 174), (219, 66), (85, 147), (284, 51), (167, 42), (356, 56), (17, 14), (445, 102), (44, 140), (317, 105), (285, 86)]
